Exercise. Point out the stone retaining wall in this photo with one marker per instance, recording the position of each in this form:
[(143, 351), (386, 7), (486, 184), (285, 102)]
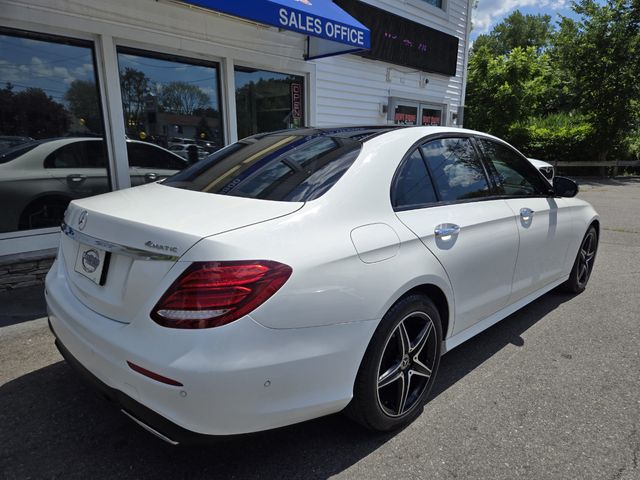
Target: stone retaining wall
[(25, 269)]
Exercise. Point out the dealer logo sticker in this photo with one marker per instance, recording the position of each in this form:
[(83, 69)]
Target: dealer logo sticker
[(90, 261)]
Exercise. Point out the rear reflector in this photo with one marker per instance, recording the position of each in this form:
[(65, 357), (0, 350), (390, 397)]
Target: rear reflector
[(211, 294), (155, 376)]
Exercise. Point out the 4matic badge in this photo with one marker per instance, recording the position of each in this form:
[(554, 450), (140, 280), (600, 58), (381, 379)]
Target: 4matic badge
[(164, 248)]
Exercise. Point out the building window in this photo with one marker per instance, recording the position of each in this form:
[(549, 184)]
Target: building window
[(267, 101), (51, 129), (171, 111), (435, 3)]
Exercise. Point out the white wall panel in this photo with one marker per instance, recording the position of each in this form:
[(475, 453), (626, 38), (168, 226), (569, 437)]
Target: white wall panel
[(351, 89)]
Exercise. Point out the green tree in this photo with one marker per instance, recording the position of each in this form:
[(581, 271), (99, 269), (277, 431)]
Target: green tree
[(32, 113), (517, 31), (600, 53), (505, 89), (82, 99), (182, 98), (134, 86)]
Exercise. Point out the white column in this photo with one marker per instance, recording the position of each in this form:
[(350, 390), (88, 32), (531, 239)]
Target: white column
[(115, 134), (229, 101)]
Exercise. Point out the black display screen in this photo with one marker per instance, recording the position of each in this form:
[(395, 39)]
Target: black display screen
[(396, 40)]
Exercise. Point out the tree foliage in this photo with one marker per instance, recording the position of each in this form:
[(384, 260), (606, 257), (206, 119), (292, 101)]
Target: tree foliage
[(570, 91), (601, 53), (82, 99), (135, 86), (182, 98), (517, 31), (506, 89), (31, 113)]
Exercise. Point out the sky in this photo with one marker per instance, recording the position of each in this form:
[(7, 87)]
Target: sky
[(491, 12)]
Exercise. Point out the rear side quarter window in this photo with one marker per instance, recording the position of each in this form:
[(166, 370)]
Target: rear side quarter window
[(412, 187)]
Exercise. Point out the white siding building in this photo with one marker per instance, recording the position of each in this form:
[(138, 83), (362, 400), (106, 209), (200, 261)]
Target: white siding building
[(232, 77)]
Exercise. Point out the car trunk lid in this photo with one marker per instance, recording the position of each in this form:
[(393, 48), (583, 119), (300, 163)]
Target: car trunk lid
[(136, 235)]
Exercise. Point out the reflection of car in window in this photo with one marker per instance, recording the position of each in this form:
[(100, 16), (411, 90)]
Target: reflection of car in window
[(10, 141), (185, 151), (39, 178)]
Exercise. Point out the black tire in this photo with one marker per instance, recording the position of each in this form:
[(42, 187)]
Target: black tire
[(43, 213), (406, 346), (583, 265)]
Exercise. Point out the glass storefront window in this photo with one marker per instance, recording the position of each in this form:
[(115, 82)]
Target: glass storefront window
[(431, 116), (51, 129), (171, 112), (405, 115), (435, 3), (268, 101)]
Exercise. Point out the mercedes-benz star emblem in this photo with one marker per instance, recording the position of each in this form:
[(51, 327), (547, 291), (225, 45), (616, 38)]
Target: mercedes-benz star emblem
[(82, 221), (90, 261)]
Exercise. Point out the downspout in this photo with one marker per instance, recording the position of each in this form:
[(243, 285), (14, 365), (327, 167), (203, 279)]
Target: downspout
[(466, 64)]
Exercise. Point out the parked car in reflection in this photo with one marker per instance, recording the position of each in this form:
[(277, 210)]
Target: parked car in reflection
[(10, 141), (545, 168), (39, 178), (187, 151), (209, 146)]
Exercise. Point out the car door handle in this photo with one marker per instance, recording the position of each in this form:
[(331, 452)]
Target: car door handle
[(446, 230), (526, 213), (75, 179)]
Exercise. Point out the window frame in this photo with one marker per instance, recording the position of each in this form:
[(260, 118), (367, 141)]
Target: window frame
[(125, 49), (20, 241)]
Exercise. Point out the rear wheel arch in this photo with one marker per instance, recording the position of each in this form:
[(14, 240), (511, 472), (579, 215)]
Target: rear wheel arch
[(39, 202), (438, 297)]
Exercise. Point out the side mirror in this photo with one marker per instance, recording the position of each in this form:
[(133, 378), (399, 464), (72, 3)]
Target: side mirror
[(564, 187)]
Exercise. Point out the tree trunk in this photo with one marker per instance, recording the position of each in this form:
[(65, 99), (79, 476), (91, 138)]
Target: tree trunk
[(602, 157)]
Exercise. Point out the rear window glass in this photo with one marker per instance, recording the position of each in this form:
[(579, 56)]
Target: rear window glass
[(293, 168)]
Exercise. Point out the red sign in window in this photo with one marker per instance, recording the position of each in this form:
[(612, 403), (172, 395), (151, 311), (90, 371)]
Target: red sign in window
[(296, 100)]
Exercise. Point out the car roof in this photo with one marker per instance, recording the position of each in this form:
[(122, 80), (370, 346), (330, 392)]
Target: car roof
[(364, 133)]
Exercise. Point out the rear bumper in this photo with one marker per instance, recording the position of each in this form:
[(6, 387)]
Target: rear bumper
[(236, 379), (147, 418)]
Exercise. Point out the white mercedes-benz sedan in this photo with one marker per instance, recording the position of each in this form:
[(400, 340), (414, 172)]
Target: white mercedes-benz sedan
[(303, 272)]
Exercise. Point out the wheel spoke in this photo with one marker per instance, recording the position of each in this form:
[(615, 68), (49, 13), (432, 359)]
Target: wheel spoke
[(419, 368), (421, 339), (403, 392), (405, 343), (390, 376), (582, 272)]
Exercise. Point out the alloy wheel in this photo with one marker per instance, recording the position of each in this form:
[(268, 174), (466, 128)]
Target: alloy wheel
[(407, 364), (586, 257)]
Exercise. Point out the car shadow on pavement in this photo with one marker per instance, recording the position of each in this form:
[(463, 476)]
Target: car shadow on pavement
[(53, 425), (22, 305)]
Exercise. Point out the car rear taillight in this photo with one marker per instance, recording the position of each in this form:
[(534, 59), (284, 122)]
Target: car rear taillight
[(211, 294)]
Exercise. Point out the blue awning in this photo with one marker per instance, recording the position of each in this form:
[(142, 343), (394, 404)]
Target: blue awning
[(329, 29)]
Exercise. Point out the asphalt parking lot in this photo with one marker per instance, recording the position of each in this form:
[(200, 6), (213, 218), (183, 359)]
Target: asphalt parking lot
[(553, 392)]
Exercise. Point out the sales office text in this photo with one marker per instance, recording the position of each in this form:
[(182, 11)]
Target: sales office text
[(308, 23)]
